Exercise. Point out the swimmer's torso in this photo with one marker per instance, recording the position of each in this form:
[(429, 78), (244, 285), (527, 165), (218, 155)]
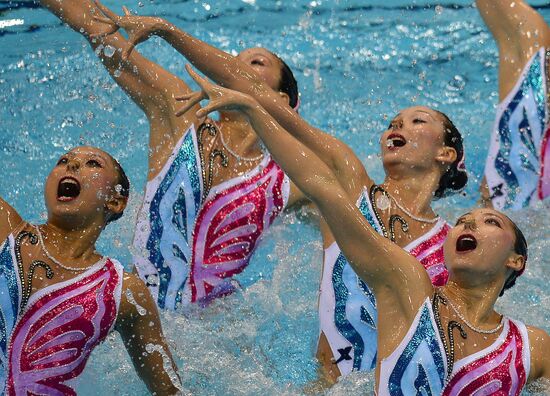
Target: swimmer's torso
[(194, 232), (518, 165), (48, 329), (419, 363), (347, 307)]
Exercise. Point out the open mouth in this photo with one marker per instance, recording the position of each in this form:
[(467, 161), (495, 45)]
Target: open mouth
[(395, 140), (466, 243), (68, 189)]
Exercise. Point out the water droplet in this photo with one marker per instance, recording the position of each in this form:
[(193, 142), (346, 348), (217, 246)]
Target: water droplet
[(109, 51)]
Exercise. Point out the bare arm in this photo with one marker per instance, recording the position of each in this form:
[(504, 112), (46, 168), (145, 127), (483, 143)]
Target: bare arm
[(139, 325), (150, 86), (540, 358), (231, 72), (386, 267), (9, 219), (519, 32)]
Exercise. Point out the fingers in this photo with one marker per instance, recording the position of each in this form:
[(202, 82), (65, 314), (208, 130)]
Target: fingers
[(214, 105), (203, 83), (185, 96), (107, 12), (127, 51), (103, 19), (126, 11), (193, 98)]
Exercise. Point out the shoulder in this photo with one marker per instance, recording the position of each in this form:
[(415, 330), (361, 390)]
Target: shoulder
[(539, 345), (133, 283), (9, 220), (135, 296)]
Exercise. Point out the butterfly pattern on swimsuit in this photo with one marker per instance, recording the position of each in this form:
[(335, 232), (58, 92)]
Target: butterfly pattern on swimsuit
[(418, 364), (347, 307), (518, 164), (45, 347), (188, 248)]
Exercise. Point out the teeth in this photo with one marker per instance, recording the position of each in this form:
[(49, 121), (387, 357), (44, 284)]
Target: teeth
[(389, 143), (72, 181)]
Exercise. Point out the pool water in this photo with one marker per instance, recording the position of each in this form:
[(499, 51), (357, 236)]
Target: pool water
[(357, 63)]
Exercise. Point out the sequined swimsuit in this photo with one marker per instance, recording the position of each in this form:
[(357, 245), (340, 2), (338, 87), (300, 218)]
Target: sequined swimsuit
[(45, 343), (418, 365), (518, 164), (347, 307), (187, 247)]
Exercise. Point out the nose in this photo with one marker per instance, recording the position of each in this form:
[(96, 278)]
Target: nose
[(397, 124), (73, 165), (470, 224)]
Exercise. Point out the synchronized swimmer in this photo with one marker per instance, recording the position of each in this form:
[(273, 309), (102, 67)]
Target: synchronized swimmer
[(215, 186)]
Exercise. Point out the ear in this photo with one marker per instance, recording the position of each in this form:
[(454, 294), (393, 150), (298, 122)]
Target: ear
[(516, 262), (285, 97), (446, 155), (117, 204)]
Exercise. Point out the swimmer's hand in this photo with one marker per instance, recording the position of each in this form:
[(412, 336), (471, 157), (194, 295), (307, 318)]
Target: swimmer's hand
[(220, 98), (138, 28)]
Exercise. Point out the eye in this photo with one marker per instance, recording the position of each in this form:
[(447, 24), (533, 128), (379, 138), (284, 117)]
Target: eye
[(418, 121), (62, 161), (93, 164), (257, 62), (459, 221), (492, 221)]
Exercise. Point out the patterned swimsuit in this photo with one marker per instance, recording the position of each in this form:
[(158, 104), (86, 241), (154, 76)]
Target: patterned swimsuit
[(189, 246), (518, 165), (418, 365), (347, 307), (45, 342)]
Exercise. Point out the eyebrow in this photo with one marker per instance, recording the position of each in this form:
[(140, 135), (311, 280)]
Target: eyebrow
[(425, 112)]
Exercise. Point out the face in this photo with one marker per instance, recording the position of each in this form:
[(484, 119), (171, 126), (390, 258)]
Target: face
[(481, 242), (267, 65), (81, 185), (414, 137)]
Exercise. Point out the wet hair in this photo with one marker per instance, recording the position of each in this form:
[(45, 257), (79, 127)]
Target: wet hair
[(288, 84), (122, 186), (520, 247), (455, 179)]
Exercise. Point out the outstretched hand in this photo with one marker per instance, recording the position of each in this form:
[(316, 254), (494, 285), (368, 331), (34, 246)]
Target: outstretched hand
[(138, 28), (219, 98)]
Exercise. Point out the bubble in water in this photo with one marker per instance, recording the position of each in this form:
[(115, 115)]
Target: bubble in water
[(438, 9), (117, 73), (109, 51)]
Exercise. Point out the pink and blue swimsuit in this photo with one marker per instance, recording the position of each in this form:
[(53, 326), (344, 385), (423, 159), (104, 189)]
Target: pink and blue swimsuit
[(518, 164), (347, 307), (188, 247), (418, 365), (45, 343)]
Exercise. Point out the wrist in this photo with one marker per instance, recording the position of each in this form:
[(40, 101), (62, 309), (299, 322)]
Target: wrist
[(163, 28)]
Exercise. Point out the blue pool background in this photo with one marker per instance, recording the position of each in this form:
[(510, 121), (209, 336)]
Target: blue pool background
[(357, 63)]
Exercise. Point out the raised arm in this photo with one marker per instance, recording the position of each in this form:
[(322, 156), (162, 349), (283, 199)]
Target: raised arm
[(139, 325), (382, 264), (519, 32), (150, 86), (231, 72)]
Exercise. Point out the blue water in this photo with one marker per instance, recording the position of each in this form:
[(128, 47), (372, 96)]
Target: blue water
[(357, 63)]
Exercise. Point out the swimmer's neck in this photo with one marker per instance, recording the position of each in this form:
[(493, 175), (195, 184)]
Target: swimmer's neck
[(239, 134), (414, 193), (476, 302), (71, 243)]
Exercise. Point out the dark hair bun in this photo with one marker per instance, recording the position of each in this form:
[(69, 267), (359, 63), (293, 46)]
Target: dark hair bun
[(456, 177)]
